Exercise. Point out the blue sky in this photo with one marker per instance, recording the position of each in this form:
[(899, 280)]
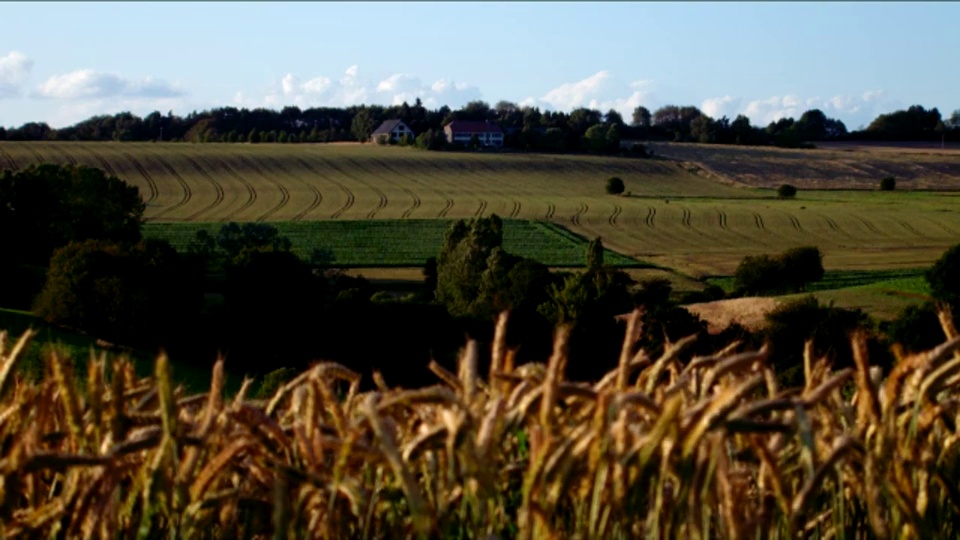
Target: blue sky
[(61, 63)]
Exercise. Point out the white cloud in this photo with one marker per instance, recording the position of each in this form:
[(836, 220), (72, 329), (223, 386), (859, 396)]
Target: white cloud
[(14, 68), (718, 107), (852, 109), (90, 84), (598, 91), (352, 88), (69, 112)]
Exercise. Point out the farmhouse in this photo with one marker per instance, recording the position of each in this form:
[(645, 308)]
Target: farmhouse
[(392, 128), (461, 131)]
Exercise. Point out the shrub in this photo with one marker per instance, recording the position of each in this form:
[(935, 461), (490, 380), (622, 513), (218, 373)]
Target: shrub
[(791, 271), (790, 325), (801, 265), (614, 185), (757, 275), (786, 191), (888, 184), (944, 277)]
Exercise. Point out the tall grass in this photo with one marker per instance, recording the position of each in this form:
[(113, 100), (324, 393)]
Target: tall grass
[(709, 448)]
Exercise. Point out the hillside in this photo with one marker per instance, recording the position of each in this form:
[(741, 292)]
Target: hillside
[(829, 166), (673, 216)]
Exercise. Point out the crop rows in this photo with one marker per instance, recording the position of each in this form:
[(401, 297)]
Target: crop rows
[(670, 216)]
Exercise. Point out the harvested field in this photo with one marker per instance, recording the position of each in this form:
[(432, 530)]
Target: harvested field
[(829, 166), (749, 312), (675, 215)]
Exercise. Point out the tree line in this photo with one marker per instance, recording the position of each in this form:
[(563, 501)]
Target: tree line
[(525, 127)]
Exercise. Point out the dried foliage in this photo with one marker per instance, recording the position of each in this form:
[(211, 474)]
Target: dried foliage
[(710, 448)]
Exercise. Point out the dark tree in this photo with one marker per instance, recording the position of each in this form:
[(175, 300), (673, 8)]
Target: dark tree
[(641, 117), (801, 266), (944, 277), (595, 254), (50, 206), (888, 184), (615, 185), (143, 293), (758, 275), (613, 118), (786, 191), (362, 125)]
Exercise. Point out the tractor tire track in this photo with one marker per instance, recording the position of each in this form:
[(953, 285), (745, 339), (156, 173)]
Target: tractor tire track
[(104, 164), (723, 219), (70, 159), (380, 205), (581, 210), (151, 183), (413, 207), (910, 228), (317, 196), (832, 224), (383, 196), (347, 193), (251, 191), (686, 220), (9, 159), (758, 220), (284, 192), (446, 208), (481, 209), (651, 215), (795, 222), (217, 188), (187, 192), (515, 211), (551, 209), (36, 155), (873, 228), (617, 210)]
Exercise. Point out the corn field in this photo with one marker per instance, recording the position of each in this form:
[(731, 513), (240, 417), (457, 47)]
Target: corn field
[(659, 448)]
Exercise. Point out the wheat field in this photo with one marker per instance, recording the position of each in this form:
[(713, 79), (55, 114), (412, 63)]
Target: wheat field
[(660, 448)]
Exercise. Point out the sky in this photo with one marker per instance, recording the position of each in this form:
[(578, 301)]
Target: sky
[(64, 62)]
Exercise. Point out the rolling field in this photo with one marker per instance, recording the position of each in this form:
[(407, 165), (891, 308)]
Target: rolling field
[(829, 166), (674, 216)]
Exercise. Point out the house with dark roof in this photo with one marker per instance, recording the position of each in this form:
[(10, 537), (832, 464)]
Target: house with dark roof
[(462, 131), (394, 129)]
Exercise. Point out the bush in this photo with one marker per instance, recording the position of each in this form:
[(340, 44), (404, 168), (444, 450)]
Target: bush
[(791, 271), (786, 191), (615, 185), (758, 275), (944, 277), (790, 325), (801, 265), (917, 328), (888, 184)]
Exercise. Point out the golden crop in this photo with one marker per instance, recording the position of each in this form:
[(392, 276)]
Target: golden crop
[(658, 448)]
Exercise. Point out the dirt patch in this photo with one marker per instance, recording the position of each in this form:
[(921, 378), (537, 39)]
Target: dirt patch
[(749, 312)]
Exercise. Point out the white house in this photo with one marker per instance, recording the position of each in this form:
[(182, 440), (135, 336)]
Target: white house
[(461, 131), (395, 129)]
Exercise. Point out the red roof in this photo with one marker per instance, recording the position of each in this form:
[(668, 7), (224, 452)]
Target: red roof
[(472, 126)]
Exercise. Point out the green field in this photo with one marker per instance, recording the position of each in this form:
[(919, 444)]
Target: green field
[(675, 215), (381, 243)]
